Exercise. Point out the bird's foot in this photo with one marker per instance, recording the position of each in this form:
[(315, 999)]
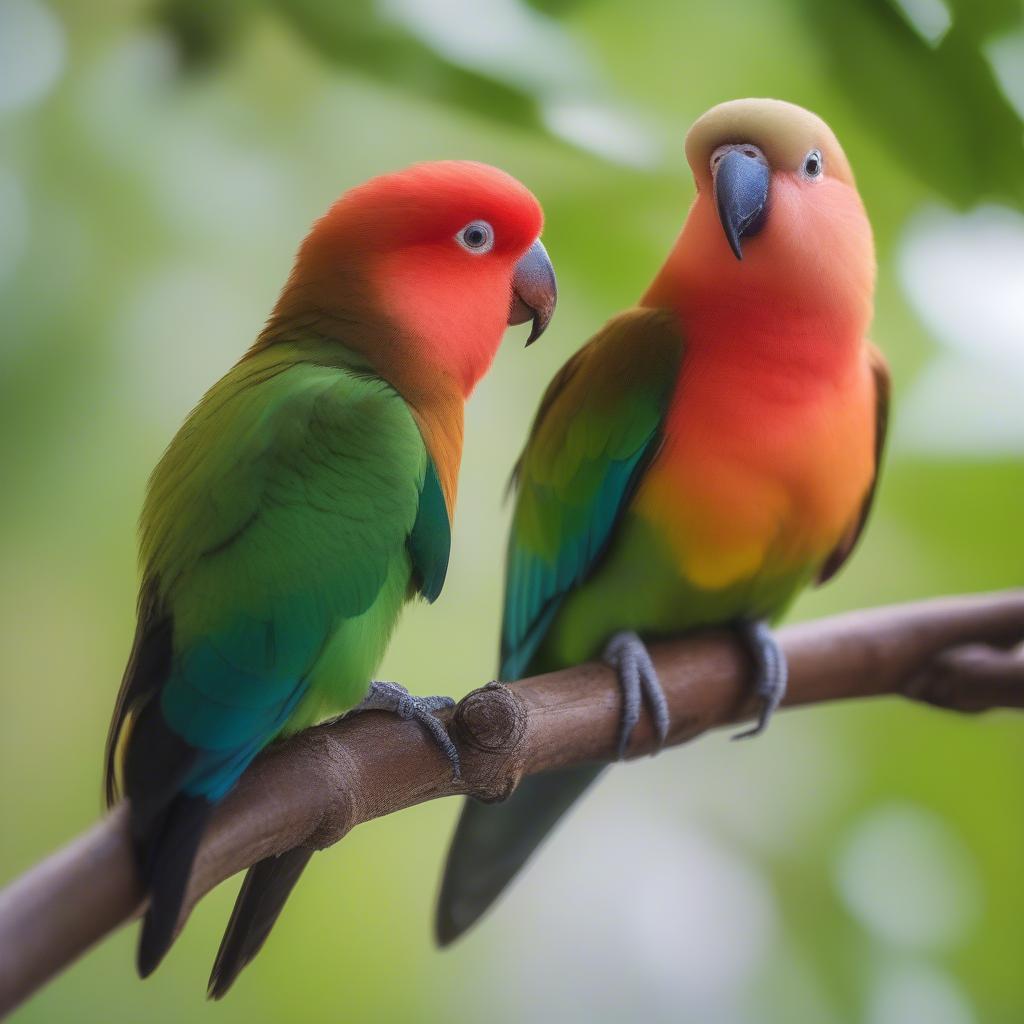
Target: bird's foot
[(396, 699), (771, 673), (627, 654)]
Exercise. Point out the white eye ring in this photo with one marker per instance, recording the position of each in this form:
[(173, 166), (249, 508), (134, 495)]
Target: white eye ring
[(476, 237), (813, 166)]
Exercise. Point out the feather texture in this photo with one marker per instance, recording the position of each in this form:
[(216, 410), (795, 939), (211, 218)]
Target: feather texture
[(261, 899), (307, 497), (597, 427), (281, 535), (665, 486)]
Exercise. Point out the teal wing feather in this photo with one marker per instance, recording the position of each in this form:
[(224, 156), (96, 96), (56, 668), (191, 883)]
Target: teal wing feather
[(286, 507), (280, 510), (598, 425), (268, 883), (430, 542)]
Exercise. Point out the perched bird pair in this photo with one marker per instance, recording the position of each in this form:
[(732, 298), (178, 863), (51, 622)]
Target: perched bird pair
[(705, 456)]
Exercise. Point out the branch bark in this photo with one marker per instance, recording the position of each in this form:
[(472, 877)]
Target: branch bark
[(955, 653)]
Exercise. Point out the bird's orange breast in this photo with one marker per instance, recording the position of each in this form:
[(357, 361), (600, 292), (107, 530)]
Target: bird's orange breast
[(768, 454)]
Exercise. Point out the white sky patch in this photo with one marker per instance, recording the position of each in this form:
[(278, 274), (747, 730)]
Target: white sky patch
[(1006, 55), (930, 19), (510, 41), (905, 993), (739, 788), (909, 880), (500, 38), (33, 53), (964, 276), (615, 135), (640, 921), (960, 408)]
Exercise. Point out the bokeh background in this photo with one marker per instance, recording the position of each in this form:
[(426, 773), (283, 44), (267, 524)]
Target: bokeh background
[(158, 166)]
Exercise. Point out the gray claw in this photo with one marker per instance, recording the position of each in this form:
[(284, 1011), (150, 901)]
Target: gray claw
[(627, 654), (396, 699), (772, 674)]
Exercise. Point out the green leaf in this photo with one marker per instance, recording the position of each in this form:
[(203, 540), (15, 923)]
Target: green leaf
[(939, 109)]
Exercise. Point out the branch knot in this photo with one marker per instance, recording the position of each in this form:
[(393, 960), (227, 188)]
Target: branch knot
[(312, 788), (490, 726)]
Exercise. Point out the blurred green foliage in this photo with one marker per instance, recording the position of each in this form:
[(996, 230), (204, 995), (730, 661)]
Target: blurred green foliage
[(152, 192), (356, 35), (936, 104), (937, 107)]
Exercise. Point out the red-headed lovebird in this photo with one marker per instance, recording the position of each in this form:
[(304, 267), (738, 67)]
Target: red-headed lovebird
[(703, 458), (305, 500)]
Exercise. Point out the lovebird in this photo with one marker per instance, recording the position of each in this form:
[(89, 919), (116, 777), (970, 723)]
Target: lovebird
[(704, 457), (305, 500)]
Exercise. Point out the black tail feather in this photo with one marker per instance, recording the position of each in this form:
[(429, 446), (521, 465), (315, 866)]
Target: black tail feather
[(260, 901), (166, 858), (493, 841), (148, 666)]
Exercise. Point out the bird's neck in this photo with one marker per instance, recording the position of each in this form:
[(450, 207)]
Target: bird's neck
[(804, 289), (801, 342), (760, 320), (438, 408), (434, 395)]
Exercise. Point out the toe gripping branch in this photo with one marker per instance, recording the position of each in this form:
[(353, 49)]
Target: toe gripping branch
[(627, 654), (638, 679), (959, 653), (771, 674), (397, 700)]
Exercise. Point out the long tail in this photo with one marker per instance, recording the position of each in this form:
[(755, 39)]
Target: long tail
[(493, 841), (260, 901), (166, 857)]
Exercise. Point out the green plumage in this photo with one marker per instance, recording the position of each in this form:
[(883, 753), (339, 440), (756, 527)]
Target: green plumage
[(582, 566), (290, 519), (281, 531), (598, 426)]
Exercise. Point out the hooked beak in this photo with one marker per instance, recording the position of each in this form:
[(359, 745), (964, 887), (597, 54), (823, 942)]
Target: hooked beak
[(741, 176), (534, 291)]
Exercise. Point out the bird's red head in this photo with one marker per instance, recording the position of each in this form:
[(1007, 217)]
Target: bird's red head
[(445, 255)]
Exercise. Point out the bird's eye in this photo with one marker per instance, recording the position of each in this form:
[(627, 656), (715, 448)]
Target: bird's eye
[(476, 237), (813, 164)]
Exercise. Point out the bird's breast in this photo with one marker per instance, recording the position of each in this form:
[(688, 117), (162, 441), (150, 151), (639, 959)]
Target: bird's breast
[(764, 465)]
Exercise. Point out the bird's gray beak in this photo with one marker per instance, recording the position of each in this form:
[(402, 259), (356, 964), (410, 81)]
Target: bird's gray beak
[(741, 175), (534, 291)]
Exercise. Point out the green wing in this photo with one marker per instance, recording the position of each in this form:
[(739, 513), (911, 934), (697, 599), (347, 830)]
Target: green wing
[(292, 499), (430, 542), (598, 425)]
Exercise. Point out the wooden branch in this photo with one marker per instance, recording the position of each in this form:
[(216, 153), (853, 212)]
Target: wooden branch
[(312, 789)]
